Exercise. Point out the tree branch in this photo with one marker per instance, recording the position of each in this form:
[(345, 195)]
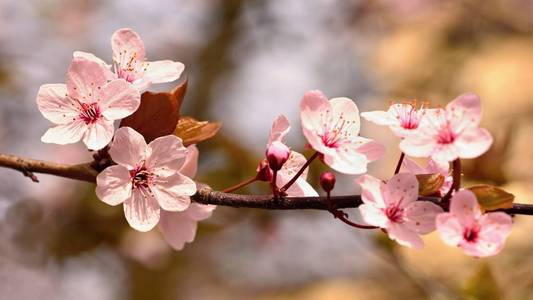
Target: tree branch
[(206, 195)]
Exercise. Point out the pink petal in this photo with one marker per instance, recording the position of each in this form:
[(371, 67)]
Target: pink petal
[(65, 133), (371, 149), (166, 154), (495, 228), (445, 152), (381, 118), (118, 99), (420, 216), (280, 128), (54, 104), (345, 110), (465, 111), (404, 236), (91, 57), (438, 167), (177, 229), (473, 142), (126, 43), (373, 215), (464, 207), (293, 165), (347, 160), (99, 134), (84, 78), (199, 212), (410, 166), (372, 190), (418, 145), (402, 187), (300, 188), (163, 71), (113, 185), (190, 165), (312, 106), (128, 148), (173, 192), (449, 228), (141, 211)]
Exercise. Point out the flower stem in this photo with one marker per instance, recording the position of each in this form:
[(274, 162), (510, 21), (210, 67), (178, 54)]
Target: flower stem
[(399, 165), (456, 184), (240, 185), (275, 190), (339, 214), (302, 169)]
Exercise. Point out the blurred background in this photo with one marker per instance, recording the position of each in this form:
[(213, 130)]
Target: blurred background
[(248, 61)]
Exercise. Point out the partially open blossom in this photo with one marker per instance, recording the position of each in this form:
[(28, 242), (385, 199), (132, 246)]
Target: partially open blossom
[(130, 63), (294, 163), (394, 207), (146, 178), (179, 227), (450, 133), (277, 154), (402, 118), (433, 167), (85, 107), (332, 128), (466, 227), (327, 181)]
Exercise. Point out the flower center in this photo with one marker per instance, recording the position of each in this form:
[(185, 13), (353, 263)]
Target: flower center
[(333, 133), (141, 178), (394, 213), (408, 116), (446, 135), (471, 235), (128, 67), (90, 113)]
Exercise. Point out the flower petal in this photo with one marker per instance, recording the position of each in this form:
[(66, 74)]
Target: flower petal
[(65, 133), (372, 190), (445, 152), (381, 118), (347, 160), (495, 228), (293, 165), (163, 71), (404, 236), (173, 192), (99, 134), (84, 78), (128, 148), (91, 57), (449, 228), (166, 154), (113, 185), (177, 228), (300, 188), (344, 110), (118, 99), (312, 107), (199, 212), (473, 142), (418, 145), (190, 166), (141, 211), (465, 207), (402, 187), (420, 216), (373, 215), (280, 128), (465, 111), (54, 104), (371, 149), (410, 166), (436, 166), (126, 44)]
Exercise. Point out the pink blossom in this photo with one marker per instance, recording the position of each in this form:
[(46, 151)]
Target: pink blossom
[(85, 107), (433, 167), (179, 228), (146, 178), (402, 118), (466, 227), (277, 154), (130, 64), (394, 207), (332, 128), (280, 128), (450, 133)]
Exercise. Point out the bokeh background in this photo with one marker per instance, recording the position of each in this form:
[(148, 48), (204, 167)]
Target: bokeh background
[(248, 61)]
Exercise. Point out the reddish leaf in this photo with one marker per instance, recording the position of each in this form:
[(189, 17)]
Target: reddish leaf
[(429, 184), (158, 113), (192, 131), (491, 198)]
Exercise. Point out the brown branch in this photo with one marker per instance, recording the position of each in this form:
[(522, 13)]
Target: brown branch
[(206, 195)]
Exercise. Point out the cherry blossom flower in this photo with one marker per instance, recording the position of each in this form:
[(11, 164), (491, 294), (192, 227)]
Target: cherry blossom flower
[(450, 133), (466, 227), (402, 118), (332, 128), (85, 107), (280, 128), (394, 207), (179, 227), (146, 178), (130, 64), (433, 167)]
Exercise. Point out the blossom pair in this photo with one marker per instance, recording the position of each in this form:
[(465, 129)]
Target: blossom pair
[(93, 97)]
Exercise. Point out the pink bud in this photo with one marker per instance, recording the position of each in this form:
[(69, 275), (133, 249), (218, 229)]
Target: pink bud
[(327, 181), (263, 171), (277, 154)]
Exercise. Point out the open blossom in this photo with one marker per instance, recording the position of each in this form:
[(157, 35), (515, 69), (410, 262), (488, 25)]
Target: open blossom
[(179, 227), (294, 163), (130, 64), (433, 167), (146, 178), (394, 207), (402, 118), (450, 133), (466, 227), (85, 107), (332, 128)]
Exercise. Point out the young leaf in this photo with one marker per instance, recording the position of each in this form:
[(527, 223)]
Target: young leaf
[(158, 113), (192, 131), (491, 197), (429, 184)]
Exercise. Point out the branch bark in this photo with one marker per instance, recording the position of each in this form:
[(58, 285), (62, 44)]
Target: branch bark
[(206, 195)]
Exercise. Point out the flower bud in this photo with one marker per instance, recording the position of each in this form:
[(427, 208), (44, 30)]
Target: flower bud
[(277, 154), (263, 171), (327, 181)]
